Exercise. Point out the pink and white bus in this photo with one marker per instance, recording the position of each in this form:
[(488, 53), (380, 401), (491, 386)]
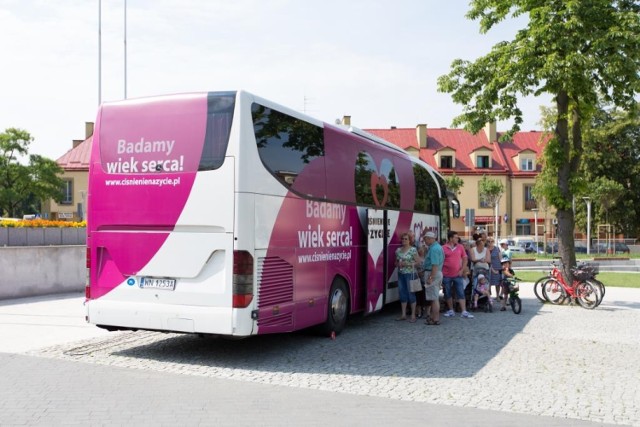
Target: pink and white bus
[(224, 213)]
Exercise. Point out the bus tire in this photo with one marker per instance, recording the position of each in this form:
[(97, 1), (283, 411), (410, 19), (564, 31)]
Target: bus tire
[(337, 308)]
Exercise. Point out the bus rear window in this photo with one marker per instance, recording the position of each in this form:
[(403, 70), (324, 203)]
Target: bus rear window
[(220, 107)]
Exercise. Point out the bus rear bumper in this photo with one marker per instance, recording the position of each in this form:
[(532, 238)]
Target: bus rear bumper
[(119, 315)]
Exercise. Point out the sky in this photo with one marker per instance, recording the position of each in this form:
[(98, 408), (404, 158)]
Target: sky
[(377, 61)]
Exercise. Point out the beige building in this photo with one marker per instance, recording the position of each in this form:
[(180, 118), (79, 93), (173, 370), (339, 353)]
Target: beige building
[(470, 157), (75, 164)]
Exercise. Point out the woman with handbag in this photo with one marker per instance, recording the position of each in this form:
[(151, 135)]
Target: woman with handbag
[(406, 260), (480, 259)]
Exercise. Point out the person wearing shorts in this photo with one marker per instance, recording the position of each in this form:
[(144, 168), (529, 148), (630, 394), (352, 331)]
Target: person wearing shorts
[(433, 277), (455, 260)]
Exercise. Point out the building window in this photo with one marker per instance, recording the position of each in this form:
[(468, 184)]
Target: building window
[(446, 162), (482, 161), (529, 201), (67, 192), (526, 164), (523, 230), (483, 202)]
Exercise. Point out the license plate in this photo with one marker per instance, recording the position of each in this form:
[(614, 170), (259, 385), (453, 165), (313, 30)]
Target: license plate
[(157, 283)]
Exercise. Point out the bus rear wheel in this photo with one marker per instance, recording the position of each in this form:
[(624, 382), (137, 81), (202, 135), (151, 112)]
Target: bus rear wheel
[(337, 308)]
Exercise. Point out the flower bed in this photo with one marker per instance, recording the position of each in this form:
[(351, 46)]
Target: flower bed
[(40, 223)]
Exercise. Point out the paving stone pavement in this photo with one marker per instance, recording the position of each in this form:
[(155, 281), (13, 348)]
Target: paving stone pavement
[(550, 365)]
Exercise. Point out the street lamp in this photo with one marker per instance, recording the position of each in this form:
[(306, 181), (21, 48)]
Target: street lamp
[(588, 201), (535, 228)]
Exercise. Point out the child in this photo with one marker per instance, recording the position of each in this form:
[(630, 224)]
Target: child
[(507, 272), (482, 288)]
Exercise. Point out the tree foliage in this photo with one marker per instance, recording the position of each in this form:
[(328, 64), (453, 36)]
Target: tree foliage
[(23, 187), (454, 183), (578, 51), (491, 190), (611, 168)]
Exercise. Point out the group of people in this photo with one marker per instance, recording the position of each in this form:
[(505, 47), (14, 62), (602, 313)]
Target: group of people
[(450, 266), (426, 261)]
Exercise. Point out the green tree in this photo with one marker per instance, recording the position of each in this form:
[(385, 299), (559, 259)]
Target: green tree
[(454, 183), (576, 50), (23, 187), (612, 151), (491, 190)]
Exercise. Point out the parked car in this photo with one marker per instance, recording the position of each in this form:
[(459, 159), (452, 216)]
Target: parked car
[(612, 247), (516, 249), (530, 247), (551, 248), (581, 248)]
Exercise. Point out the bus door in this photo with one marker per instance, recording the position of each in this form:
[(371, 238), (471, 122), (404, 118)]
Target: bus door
[(376, 272)]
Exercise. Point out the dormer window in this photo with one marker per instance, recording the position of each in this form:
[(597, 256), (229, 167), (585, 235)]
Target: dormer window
[(526, 164), (446, 158), (482, 162), (526, 160), (481, 158), (446, 162)]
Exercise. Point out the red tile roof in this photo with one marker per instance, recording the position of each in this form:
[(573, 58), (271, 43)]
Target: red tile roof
[(77, 158), (465, 144)]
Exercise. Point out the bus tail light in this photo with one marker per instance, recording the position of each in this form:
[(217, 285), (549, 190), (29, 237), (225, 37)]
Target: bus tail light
[(87, 284), (242, 279)]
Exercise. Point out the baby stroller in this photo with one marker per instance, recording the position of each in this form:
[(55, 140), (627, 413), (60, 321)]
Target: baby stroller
[(484, 301)]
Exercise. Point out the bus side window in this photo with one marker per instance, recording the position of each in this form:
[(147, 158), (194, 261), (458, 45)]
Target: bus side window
[(288, 146), (426, 191)]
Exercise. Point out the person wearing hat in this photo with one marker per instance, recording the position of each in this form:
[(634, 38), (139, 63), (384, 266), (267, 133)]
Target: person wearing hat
[(432, 266), (482, 289), (504, 248), (506, 273)]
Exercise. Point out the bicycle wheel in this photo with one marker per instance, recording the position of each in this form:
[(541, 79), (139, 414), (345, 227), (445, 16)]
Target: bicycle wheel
[(599, 287), (553, 292), (516, 304), (587, 295), (537, 288)]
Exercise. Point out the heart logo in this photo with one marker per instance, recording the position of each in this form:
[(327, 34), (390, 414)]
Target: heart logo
[(376, 186), (379, 187)]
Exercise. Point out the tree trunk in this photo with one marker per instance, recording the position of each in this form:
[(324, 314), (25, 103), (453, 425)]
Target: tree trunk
[(567, 169)]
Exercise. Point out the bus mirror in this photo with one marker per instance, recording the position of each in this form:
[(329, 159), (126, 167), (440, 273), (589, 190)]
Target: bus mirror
[(455, 207)]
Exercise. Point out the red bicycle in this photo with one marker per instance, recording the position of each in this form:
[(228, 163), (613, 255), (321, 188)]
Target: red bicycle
[(585, 289)]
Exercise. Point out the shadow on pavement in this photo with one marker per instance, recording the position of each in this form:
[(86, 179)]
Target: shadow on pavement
[(371, 346)]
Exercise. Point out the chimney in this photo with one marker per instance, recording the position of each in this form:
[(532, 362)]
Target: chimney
[(88, 129), (421, 135), (490, 131), (77, 142), (346, 120)]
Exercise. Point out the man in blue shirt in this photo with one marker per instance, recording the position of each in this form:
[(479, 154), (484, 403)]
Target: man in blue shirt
[(433, 276)]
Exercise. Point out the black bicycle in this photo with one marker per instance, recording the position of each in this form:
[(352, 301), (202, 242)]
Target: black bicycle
[(514, 298)]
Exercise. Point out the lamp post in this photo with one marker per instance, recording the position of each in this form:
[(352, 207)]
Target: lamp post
[(535, 229), (588, 201), (495, 232)]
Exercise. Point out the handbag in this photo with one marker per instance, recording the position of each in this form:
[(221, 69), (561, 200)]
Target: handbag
[(481, 266), (414, 283)]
